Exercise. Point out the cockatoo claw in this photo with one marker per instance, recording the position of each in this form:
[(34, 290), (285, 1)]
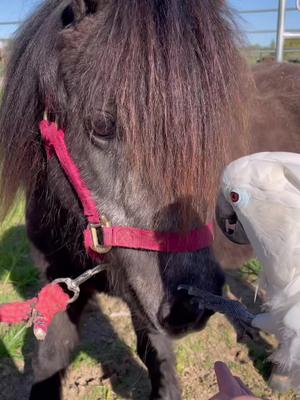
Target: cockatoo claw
[(242, 329), (191, 290), (235, 311)]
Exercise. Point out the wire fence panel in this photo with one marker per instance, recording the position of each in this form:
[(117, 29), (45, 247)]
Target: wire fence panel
[(283, 36), (281, 33), (267, 10), (10, 23)]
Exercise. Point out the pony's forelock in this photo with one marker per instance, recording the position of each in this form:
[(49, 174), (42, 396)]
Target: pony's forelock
[(171, 69)]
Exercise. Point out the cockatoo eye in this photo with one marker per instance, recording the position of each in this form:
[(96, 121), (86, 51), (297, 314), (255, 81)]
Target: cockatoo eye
[(234, 197), (239, 197)]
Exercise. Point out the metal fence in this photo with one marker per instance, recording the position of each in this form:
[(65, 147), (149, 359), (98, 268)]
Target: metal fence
[(9, 23), (281, 33)]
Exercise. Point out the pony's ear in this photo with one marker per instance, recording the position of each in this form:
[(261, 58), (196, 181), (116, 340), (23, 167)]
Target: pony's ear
[(77, 10)]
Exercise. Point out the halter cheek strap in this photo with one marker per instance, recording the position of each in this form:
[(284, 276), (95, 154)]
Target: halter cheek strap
[(99, 236)]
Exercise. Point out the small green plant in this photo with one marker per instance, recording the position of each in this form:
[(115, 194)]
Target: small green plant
[(251, 270)]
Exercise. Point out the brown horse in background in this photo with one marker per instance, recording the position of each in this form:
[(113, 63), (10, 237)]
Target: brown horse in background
[(274, 125)]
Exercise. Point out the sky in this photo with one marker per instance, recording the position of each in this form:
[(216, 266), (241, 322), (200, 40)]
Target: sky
[(17, 10)]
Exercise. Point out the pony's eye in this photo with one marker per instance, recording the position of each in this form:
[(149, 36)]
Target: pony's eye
[(101, 126), (104, 126), (234, 196)]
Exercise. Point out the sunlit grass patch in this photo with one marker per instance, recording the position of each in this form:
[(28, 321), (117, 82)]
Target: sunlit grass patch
[(100, 392), (12, 341), (18, 278), (82, 357)]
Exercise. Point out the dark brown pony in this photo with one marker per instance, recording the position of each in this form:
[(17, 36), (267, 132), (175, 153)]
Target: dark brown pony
[(152, 97)]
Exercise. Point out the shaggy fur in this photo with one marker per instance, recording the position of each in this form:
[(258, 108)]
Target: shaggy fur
[(152, 97), (158, 68)]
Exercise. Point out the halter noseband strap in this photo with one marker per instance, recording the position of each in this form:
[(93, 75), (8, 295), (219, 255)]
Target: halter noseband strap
[(99, 236)]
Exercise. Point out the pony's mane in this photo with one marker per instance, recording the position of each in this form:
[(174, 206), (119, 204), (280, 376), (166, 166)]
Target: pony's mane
[(170, 67)]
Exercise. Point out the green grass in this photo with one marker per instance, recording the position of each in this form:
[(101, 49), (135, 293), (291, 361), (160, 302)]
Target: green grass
[(18, 279), (83, 358), (100, 392), (13, 339), (1, 69)]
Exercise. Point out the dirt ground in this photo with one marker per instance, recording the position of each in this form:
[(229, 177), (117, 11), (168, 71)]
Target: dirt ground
[(107, 367)]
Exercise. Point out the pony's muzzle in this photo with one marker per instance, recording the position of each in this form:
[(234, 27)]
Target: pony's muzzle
[(179, 315)]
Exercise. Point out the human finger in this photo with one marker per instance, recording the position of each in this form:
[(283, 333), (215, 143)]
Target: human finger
[(243, 386), (226, 381)]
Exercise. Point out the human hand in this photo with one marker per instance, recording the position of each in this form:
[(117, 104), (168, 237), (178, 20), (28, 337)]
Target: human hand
[(230, 387)]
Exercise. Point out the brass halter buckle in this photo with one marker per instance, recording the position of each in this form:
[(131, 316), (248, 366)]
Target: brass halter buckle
[(98, 236)]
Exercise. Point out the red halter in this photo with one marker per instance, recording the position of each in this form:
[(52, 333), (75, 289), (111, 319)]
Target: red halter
[(99, 236)]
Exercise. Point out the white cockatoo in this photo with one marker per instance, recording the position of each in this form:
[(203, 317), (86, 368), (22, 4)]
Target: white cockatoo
[(260, 203)]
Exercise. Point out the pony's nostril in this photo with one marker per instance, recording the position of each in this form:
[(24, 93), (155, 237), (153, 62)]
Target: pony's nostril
[(180, 315)]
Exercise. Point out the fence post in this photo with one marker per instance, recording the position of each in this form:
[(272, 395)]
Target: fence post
[(280, 31)]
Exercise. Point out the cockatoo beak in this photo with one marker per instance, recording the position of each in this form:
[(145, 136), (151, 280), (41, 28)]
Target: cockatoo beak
[(229, 222)]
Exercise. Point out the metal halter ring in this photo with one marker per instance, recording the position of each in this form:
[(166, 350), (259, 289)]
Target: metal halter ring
[(98, 236), (73, 285), (46, 118)]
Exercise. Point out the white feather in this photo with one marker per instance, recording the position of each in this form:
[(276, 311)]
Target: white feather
[(271, 220)]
